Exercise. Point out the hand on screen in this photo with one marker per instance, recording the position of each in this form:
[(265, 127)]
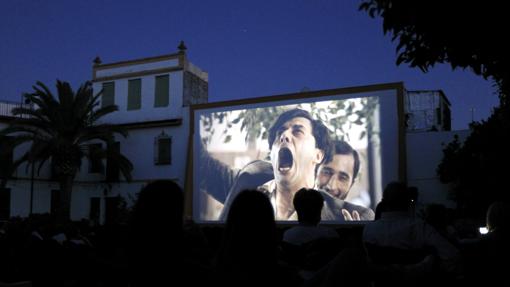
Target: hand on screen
[(351, 217)]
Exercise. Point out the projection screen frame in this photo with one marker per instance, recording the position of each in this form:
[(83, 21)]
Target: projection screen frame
[(398, 87)]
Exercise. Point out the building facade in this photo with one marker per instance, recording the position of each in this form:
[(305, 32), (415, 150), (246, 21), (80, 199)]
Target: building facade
[(153, 96), (427, 111)]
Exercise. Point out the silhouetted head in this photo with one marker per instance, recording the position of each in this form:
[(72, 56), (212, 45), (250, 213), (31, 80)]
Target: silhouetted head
[(308, 204), (498, 216), (396, 197), (250, 231), (379, 209), (156, 251), (251, 212), (160, 203)]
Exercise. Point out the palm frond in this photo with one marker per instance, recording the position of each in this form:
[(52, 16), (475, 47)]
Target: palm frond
[(61, 128), (37, 130), (65, 95), (22, 111), (14, 142), (124, 164), (97, 114), (103, 132), (12, 168)]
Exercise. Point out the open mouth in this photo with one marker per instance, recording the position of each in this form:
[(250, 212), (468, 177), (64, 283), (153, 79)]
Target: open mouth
[(285, 160)]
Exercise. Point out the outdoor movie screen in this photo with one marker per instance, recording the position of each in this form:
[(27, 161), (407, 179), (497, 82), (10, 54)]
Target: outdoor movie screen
[(344, 143)]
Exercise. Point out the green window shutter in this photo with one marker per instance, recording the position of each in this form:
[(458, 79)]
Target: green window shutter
[(134, 94), (108, 97), (162, 91)]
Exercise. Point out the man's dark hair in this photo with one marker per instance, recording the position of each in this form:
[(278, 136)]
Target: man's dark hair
[(396, 197), (159, 202), (319, 130), (344, 148), (308, 204)]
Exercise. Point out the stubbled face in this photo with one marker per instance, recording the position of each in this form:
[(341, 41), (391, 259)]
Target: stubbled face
[(336, 177), (294, 155)]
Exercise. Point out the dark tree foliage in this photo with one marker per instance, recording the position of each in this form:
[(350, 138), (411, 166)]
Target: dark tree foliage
[(465, 34), (59, 129), (477, 168)]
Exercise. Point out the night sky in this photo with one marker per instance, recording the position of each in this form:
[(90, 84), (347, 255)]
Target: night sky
[(249, 48)]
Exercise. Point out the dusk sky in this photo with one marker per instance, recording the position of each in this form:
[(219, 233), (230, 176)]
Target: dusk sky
[(249, 48)]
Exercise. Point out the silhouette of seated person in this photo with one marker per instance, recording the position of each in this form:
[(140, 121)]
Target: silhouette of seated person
[(438, 216), (403, 247), (308, 245), (484, 255), (156, 253), (248, 252)]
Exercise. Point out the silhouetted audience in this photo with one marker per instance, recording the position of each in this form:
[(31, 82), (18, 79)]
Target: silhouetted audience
[(308, 204), (159, 248), (309, 246), (248, 253), (486, 256), (157, 254), (401, 238), (439, 217)]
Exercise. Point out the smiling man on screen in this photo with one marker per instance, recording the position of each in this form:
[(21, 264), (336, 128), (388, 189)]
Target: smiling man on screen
[(337, 175)]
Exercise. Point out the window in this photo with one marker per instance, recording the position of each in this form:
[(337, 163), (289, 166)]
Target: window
[(55, 201), (112, 166), (161, 98), (95, 162), (108, 97), (111, 211), (163, 149), (95, 209), (134, 94), (6, 157), (5, 203)]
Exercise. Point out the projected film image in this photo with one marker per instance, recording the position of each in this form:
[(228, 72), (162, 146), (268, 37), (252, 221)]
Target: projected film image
[(330, 145)]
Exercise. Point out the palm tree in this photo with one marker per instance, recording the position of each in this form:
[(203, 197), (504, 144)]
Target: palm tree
[(61, 130)]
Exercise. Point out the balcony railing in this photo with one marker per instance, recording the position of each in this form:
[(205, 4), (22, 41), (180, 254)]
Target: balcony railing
[(6, 108)]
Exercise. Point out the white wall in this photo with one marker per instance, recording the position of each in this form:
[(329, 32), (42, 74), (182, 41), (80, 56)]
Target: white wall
[(138, 147), (424, 153)]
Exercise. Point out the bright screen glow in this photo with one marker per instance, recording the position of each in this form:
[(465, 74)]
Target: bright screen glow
[(232, 152)]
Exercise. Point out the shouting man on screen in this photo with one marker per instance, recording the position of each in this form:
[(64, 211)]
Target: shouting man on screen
[(299, 144)]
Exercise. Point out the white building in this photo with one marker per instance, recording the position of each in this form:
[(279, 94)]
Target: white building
[(153, 96), (424, 153), (427, 111), (428, 130)]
